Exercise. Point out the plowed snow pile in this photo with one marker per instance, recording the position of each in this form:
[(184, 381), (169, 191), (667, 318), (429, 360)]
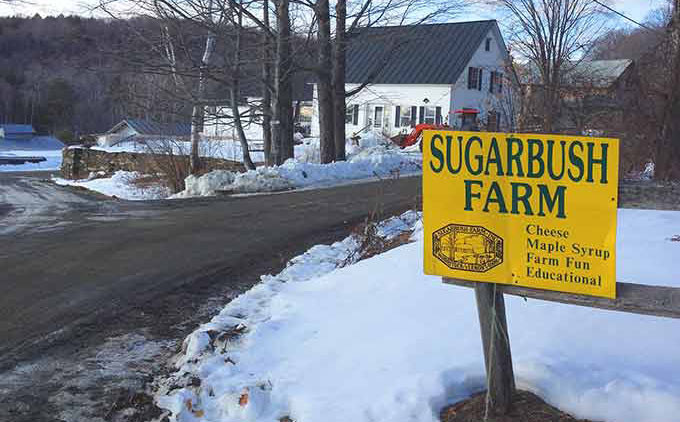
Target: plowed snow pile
[(369, 162), (121, 185)]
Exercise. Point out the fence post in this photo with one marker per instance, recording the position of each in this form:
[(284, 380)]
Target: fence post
[(496, 343)]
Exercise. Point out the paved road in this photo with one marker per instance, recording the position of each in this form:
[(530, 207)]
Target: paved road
[(30, 203), (70, 260)]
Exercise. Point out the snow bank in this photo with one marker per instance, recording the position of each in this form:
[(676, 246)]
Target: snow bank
[(370, 162), (263, 179), (375, 161), (53, 160), (121, 185), (206, 184), (309, 151), (378, 340)]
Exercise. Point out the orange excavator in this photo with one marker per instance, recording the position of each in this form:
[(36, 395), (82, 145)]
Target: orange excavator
[(468, 117), (416, 135)]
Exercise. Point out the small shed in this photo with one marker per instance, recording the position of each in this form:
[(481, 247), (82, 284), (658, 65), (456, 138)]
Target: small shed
[(142, 130)]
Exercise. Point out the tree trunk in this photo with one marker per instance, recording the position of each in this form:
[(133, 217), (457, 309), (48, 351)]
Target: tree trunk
[(550, 97), (236, 93), (325, 85), (547, 111), (668, 149), (339, 79), (266, 90), (247, 162), (282, 140), (198, 113)]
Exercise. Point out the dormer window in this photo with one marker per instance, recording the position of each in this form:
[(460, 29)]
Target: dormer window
[(487, 45)]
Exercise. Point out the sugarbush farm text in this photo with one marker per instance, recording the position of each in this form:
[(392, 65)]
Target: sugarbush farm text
[(518, 158)]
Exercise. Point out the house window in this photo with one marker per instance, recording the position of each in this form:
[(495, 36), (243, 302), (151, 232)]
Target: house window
[(352, 115), (496, 82), (429, 114), (403, 116), (475, 78), (487, 45)]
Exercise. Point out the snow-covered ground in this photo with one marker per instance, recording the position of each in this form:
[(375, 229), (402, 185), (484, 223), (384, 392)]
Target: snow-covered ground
[(121, 185), (370, 160), (380, 341), (53, 160), (228, 150), (372, 157)]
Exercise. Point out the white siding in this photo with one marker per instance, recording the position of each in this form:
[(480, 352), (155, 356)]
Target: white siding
[(449, 97), (389, 97), (493, 60)]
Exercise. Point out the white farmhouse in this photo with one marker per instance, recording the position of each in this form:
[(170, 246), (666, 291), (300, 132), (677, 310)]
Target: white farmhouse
[(424, 74)]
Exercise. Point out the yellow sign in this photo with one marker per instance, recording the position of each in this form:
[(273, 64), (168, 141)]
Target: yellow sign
[(531, 210)]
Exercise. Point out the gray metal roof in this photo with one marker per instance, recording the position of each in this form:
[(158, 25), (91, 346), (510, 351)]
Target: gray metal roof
[(151, 128), (598, 73), (586, 73), (414, 54)]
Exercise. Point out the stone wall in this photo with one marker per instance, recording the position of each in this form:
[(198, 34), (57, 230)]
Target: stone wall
[(78, 163)]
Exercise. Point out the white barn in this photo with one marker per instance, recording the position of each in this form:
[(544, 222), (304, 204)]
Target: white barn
[(424, 74)]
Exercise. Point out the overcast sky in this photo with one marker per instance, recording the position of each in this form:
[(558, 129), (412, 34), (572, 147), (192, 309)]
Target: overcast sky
[(636, 9)]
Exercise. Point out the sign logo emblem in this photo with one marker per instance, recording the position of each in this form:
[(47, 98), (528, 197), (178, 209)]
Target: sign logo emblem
[(467, 248)]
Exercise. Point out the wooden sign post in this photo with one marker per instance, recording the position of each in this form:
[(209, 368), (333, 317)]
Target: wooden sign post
[(501, 217), (496, 345), (518, 210)]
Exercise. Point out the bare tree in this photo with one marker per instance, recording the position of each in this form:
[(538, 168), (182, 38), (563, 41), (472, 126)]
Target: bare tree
[(668, 148), (282, 139), (339, 68), (649, 96), (550, 34), (267, 86), (281, 147), (198, 111), (325, 82), (190, 81), (235, 89)]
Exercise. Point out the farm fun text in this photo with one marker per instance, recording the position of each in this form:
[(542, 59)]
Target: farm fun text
[(531, 210)]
